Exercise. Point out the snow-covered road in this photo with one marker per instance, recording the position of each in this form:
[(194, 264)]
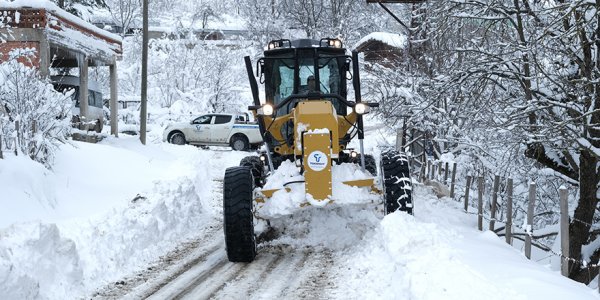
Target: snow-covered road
[(161, 237), (276, 273)]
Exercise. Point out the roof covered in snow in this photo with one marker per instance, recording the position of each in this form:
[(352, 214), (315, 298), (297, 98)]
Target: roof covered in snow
[(391, 39), (61, 28)]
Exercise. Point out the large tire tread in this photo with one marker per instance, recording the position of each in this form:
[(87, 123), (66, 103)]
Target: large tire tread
[(370, 164), (256, 166), (238, 225), (397, 182)]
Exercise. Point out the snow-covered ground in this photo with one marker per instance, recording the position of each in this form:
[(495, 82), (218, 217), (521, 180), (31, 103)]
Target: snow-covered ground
[(109, 210)]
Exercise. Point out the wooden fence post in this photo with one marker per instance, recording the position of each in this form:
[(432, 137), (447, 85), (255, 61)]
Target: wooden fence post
[(480, 203), (467, 193), (509, 204), (453, 180), (494, 201), (446, 173), (423, 164), (17, 139), (31, 145), (433, 169), (529, 228), (564, 230)]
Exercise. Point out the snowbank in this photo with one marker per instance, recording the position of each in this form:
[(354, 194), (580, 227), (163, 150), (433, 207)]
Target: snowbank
[(439, 255), (104, 211)]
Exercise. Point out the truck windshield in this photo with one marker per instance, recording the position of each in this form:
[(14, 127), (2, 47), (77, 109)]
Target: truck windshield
[(282, 81)]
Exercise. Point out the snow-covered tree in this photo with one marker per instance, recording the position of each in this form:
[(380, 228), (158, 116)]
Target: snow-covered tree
[(520, 78), (124, 12), (34, 118)]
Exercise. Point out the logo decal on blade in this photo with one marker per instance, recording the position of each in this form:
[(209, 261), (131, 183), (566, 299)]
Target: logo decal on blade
[(317, 161)]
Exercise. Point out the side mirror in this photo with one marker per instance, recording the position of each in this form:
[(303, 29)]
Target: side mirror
[(347, 69), (260, 70), (260, 64)]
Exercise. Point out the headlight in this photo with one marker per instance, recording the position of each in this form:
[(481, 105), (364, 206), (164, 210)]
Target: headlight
[(267, 110), (334, 43), (361, 108)]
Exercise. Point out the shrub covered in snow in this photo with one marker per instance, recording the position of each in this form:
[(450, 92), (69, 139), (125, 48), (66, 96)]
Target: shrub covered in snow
[(34, 118)]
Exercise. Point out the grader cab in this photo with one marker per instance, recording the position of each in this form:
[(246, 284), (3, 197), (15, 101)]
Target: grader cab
[(307, 123)]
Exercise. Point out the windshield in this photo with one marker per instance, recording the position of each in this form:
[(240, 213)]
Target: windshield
[(285, 76)]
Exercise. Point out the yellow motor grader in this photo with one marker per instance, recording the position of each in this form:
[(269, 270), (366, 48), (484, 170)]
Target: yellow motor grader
[(306, 119)]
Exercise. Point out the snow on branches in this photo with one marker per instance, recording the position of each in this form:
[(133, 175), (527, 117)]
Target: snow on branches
[(34, 118)]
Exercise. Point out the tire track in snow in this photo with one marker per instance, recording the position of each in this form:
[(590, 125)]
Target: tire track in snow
[(275, 273), (281, 277), (177, 265), (234, 281), (157, 274), (179, 286), (317, 284)]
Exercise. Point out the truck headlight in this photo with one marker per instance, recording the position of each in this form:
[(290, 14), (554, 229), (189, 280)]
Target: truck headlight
[(267, 110), (361, 108)]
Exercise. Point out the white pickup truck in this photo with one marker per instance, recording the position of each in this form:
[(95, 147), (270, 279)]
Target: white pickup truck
[(215, 130)]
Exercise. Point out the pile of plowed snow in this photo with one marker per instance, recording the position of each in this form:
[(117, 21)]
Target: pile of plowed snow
[(439, 254), (104, 211)]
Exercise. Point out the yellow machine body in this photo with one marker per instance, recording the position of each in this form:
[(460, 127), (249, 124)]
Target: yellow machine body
[(309, 114), (317, 128)]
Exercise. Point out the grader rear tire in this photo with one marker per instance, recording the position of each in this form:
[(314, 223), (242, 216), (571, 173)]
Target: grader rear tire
[(397, 183), (370, 164), (238, 219), (256, 166)]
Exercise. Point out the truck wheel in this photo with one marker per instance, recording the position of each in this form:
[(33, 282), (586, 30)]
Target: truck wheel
[(396, 182), (177, 138), (239, 143), (238, 225), (256, 166), (370, 164)]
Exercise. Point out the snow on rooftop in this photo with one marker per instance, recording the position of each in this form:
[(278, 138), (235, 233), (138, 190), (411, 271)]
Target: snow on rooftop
[(51, 7), (391, 39)]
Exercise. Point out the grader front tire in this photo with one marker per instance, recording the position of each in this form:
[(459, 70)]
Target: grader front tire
[(238, 219)]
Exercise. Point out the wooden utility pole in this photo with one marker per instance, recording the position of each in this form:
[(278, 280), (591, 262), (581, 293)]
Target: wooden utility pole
[(114, 122), (144, 101), (480, 203)]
